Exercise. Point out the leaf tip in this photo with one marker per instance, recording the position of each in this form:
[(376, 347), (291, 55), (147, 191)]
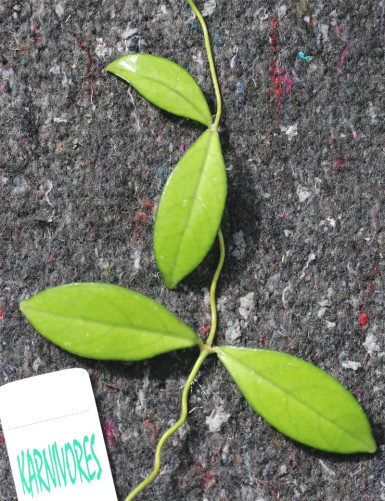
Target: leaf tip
[(169, 282), (114, 66), (23, 306), (109, 68), (371, 445)]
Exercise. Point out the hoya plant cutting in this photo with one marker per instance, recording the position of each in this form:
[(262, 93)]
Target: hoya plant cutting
[(108, 322)]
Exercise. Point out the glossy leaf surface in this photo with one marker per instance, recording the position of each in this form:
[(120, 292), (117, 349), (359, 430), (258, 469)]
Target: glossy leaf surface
[(190, 209), (106, 322), (300, 400), (165, 84)]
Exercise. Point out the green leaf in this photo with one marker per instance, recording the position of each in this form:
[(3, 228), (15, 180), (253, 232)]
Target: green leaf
[(300, 400), (165, 84), (106, 322), (190, 209)]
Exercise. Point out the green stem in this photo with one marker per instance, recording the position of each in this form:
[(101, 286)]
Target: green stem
[(204, 353), (211, 63), (206, 350), (213, 287)]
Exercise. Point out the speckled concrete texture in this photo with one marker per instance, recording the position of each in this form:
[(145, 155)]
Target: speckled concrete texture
[(82, 164)]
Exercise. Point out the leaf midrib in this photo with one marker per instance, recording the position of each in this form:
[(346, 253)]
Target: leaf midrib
[(172, 89), (193, 198), (111, 325)]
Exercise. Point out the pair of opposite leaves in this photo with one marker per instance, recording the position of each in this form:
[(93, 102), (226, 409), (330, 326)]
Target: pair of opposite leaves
[(109, 322), (112, 323)]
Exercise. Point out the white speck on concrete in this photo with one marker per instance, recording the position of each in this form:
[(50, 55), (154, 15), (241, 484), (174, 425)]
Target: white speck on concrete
[(311, 258), (372, 113), (136, 257), (235, 52), (64, 79), (355, 301), (247, 305), (55, 70), (101, 50), (323, 33), (141, 402), (321, 312), (285, 302), (290, 131), (137, 254), (209, 7), (353, 271), (47, 186), (281, 11), (349, 364), (233, 332), (128, 32), (239, 245), (217, 418), (333, 17), (261, 14), (222, 303), (134, 111), (59, 10), (206, 296), (36, 364), (225, 451), (103, 264), (303, 193), (370, 344), (327, 469), (198, 58)]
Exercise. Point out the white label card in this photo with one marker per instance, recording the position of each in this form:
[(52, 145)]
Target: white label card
[(54, 438)]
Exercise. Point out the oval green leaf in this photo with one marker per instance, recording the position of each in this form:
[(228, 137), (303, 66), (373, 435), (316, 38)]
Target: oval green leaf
[(190, 209), (300, 400), (165, 84), (106, 322)]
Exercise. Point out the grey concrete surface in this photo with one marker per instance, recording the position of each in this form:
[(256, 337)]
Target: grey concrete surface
[(83, 161)]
